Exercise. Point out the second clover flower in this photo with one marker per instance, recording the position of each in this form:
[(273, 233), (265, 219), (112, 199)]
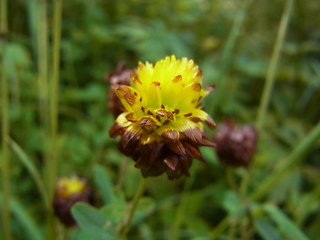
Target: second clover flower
[(162, 127)]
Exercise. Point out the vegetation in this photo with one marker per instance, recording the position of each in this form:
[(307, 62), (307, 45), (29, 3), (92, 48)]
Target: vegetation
[(263, 57)]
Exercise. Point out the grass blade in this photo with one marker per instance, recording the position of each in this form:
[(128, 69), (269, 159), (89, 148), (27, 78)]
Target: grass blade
[(28, 164), (284, 223)]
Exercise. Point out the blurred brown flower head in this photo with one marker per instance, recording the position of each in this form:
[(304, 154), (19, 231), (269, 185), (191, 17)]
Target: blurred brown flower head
[(68, 192), (119, 77), (235, 143), (161, 127)]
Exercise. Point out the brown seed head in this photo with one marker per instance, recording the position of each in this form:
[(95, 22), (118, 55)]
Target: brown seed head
[(235, 143)]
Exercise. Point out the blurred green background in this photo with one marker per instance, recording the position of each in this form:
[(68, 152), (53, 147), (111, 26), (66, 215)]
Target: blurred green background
[(232, 42)]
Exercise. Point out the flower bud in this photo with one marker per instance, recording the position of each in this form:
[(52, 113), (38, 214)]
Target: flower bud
[(68, 192), (235, 143)]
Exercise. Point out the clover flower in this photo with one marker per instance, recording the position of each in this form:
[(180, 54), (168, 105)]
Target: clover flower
[(162, 126), (235, 143), (68, 192)]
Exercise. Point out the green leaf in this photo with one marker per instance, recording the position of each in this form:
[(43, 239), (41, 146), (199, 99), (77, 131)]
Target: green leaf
[(231, 202), (289, 229), (266, 230), (16, 57), (115, 210), (209, 155), (20, 213), (145, 206), (93, 222), (104, 184), (79, 234), (146, 232)]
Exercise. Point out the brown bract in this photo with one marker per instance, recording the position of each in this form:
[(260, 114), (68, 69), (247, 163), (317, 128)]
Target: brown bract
[(173, 154), (235, 144), (119, 77)]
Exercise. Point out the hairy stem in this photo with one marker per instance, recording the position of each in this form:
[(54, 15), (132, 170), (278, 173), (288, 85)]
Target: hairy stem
[(129, 216)]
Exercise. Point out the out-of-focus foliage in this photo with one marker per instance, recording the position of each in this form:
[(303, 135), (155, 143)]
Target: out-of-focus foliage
[(98, 34)]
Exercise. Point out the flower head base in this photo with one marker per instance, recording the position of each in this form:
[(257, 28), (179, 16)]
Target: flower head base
[(162, 127), (68, 192)]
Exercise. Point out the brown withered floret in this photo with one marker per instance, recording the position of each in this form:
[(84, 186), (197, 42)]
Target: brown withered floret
[(235, 144), (171, 155), (119, 77)]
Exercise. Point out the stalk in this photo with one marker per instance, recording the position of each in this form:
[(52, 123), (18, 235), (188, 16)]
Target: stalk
[(54, 95), (5, 127), (43, 66), (43, 107), (227, 54), (52, 160), (229, 49), (129, 216), (270, 78), (121, 174), (183, 204)]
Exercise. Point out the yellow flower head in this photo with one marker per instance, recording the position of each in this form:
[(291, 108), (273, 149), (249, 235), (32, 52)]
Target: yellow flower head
[(163, 116), (70, 186)]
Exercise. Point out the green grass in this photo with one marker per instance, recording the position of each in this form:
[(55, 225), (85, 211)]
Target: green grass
[(263, 58)]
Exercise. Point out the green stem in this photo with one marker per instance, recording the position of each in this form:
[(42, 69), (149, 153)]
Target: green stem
[(232, 231), (128, 217), (43, 84), (181, 210), (178, 220), (43, 106), (289, 162), (121, 174), (229, 48), (43, 66), (228, 52), (270, 78), (244, 183), (243, 195), (230, 178), (54, 94), (5, 126)]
